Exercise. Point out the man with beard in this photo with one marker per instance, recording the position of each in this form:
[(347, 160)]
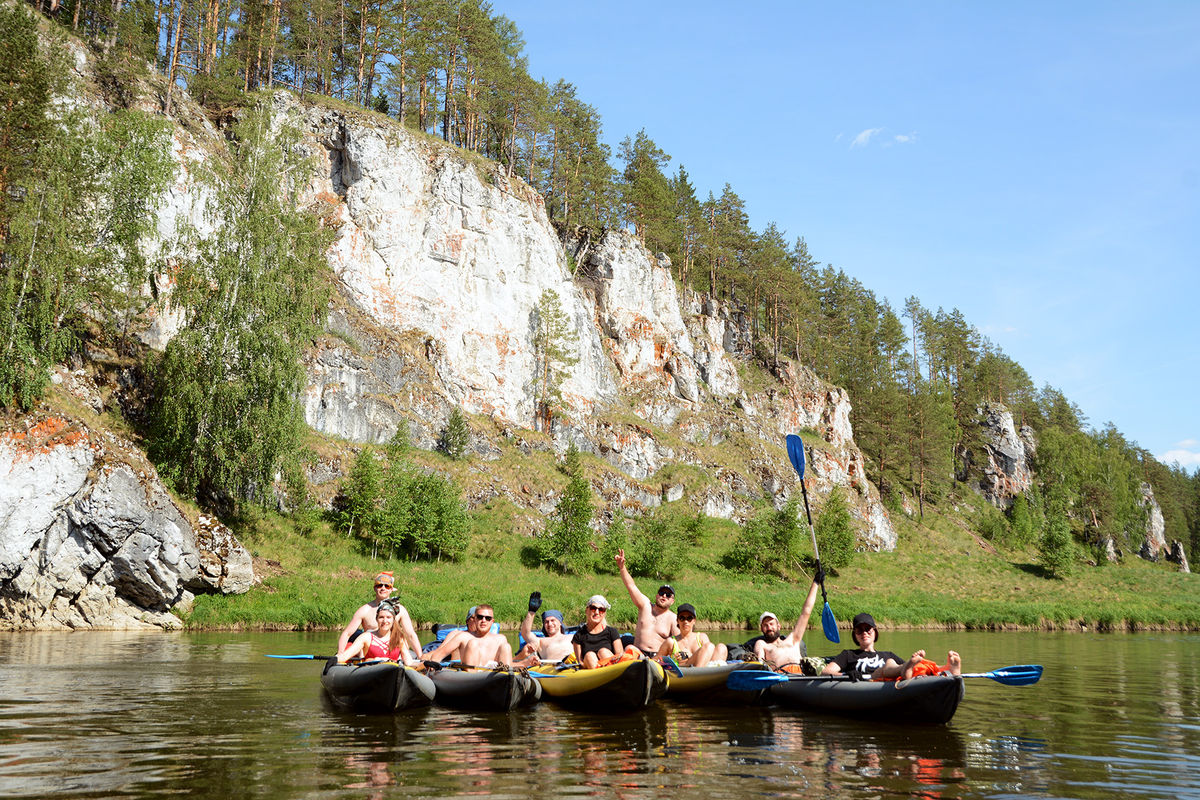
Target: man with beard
[(785, 653)]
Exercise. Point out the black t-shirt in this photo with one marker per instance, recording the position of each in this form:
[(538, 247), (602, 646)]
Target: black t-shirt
[(593, 642), (862, 662)]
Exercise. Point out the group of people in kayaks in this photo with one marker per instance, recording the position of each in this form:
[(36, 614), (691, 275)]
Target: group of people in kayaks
[(382, 629)]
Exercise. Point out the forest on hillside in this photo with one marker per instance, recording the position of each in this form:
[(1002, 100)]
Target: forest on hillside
[(453, 69)]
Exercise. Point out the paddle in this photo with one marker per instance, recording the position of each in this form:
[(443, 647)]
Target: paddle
[(1019, 675), (303, 658), (795, 448), (749, 680)]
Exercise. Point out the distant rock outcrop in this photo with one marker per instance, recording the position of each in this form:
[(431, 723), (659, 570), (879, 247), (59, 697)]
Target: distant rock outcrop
[(89, 538), (1000, 469), (1155, 545)]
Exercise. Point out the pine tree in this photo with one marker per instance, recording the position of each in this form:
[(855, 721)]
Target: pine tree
[(566, 541), (554, 340), (455, 436)]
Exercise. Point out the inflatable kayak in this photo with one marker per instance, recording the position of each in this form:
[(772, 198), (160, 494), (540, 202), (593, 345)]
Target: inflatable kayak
[(382, 687), (929, 699), (620, 687), (475, 689), (706, 685)]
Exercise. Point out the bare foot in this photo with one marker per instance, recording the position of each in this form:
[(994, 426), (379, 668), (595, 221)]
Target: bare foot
[(911, 664), (953, 663)]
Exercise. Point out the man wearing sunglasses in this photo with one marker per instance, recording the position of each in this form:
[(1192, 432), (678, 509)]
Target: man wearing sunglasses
[(656, 621), (481, 647), (364, 618)]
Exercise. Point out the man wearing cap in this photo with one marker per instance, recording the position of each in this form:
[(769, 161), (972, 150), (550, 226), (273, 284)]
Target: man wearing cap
[(553, 645), (364, 619), (596, 640), (781, 652), (656, 621), (689, 648)]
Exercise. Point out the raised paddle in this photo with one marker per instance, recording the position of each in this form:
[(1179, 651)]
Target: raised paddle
[(749, 680), (795, 448)]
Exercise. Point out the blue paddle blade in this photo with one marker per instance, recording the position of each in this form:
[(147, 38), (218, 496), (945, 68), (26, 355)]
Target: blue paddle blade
[(829, 625), (795, 448), (1019, 675), (752, 680)]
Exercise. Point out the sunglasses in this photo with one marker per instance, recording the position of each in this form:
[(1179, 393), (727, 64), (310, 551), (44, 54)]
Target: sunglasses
[(484, 617), (687, 619), (383, 586), (666, 594), (596, 608), (863, 629)]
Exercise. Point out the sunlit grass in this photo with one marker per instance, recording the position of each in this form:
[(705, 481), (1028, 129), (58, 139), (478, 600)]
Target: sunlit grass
[(940, 576)]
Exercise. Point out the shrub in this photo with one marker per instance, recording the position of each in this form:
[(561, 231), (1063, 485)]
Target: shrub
[(1056, 551), (654, 550), (769, 542), (566, 542), (835, 533), (455, 436)]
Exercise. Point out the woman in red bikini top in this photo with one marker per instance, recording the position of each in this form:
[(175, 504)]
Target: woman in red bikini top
[(386, 641)]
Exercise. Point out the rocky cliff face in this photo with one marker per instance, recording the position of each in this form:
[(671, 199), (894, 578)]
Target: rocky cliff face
[(90, 539), (441, 261), (1000, 468)]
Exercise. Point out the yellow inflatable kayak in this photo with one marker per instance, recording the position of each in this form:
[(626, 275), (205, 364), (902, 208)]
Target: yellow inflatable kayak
[(624, 686)]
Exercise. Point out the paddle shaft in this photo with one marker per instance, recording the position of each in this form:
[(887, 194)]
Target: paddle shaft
[(813, 532)]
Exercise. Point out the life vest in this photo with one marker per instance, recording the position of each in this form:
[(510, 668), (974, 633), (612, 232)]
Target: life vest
[(631, 654), (922, 668)]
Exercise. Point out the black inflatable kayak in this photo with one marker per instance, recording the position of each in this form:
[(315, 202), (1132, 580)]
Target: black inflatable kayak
[(707, 685), (928, 699), (382, 687), (485, 689)]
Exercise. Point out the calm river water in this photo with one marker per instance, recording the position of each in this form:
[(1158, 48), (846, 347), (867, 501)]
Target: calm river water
[(99, 715)]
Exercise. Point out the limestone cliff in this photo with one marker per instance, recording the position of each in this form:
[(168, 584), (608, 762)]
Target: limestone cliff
[(999, 465), (91, 539), (442, 260)]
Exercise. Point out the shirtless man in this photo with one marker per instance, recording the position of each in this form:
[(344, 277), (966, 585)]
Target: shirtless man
[(482, 648), (656, 621), (553, 645), (364, 618), (779, 652), (689, 648), (454, 639)]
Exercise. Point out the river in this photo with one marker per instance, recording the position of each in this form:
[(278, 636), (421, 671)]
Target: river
[(129, 715)]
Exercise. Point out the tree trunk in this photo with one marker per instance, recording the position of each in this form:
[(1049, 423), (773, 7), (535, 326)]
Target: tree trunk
[(174, 59)]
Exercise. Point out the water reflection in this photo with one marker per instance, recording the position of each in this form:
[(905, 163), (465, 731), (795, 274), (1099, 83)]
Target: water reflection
[(146, 715)]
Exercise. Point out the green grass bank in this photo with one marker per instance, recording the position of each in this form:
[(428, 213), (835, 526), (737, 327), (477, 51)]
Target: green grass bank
[(941, 576)]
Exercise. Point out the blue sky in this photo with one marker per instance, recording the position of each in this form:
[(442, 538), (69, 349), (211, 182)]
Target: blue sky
[(1032, 164)]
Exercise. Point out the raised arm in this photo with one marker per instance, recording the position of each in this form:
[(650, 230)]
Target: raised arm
[(635, 594), (535, 602), (810, 603)]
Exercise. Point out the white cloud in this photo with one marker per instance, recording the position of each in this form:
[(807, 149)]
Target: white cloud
[(1186, 454), (865, 137), (905, 138)]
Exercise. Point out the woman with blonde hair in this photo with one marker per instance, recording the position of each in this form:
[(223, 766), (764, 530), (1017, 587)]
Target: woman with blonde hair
[(386, 641)]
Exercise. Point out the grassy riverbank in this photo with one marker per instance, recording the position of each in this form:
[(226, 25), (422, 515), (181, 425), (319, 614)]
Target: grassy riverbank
[(940, 576)]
